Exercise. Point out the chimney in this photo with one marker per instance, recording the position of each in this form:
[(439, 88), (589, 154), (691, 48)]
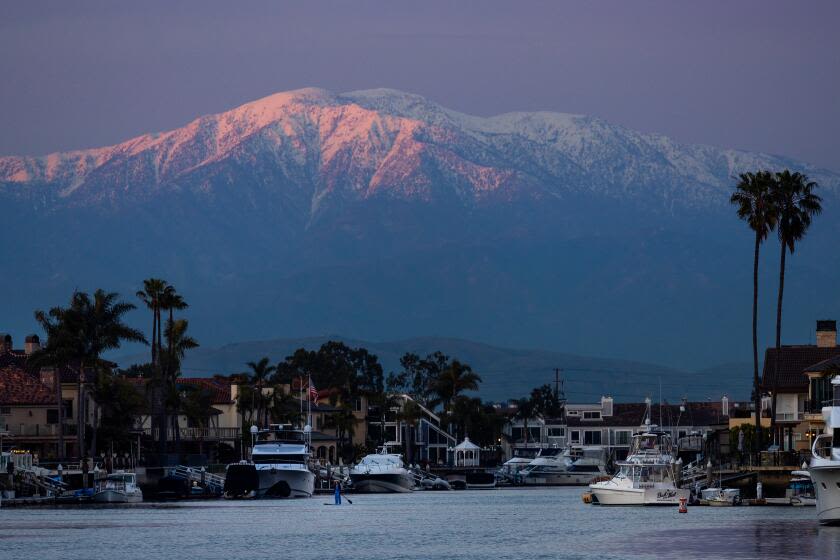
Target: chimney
[(32, 344), (5, 343), (827, 334), (724, 405), (606, 406)]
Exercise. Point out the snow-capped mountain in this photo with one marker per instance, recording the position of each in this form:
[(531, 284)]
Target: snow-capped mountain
[(316, 145), (379, 214)]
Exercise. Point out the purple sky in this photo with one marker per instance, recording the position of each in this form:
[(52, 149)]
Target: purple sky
[(753, 75)]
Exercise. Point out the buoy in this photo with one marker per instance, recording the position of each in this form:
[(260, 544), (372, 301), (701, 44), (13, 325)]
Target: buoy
[(683, 508)]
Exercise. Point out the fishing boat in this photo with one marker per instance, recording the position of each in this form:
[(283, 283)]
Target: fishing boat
[(649, 476), (381, 472), (118, 488), (825, 462)]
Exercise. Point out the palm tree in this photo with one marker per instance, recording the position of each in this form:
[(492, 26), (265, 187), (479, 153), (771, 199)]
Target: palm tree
[(344, 423), (170, 300), (526, 408), (409, 415), (178, 342), (259, 374), (152, 294), (57, 354), (796, 205), (754, 200), (452, 381)]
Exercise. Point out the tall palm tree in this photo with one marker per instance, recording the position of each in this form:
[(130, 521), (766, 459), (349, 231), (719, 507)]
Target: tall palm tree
[(178, 342), (452, 381), (409, 415), (170, 300), (796, 205), (152, 294), (259, 374), (756, 205)]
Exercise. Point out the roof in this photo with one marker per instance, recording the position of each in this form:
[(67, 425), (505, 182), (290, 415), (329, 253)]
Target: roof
[(793, 362), (825, 365), (17, 387), (466, 444), (220, 388), (633, 415)]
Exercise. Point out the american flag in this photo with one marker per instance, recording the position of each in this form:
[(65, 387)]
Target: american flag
[(313, 392)]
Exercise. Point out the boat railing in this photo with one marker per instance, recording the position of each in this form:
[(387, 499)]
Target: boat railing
[(822, 446)]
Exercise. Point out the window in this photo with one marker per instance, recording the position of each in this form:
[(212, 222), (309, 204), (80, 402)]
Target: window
[(575, 436), (681, 434), (357, 405), (557, 432), (68, 409), (592, 415), (622, 437), (592, 437), (52, 416), (5, 410), (573, 413)]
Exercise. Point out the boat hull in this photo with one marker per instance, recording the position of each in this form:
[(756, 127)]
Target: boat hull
[(617, 496), (285, 483), (560, 479), (381, 483), (109, 496), (827, 487)]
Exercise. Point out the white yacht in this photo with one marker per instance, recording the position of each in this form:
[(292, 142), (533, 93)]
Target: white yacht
[(281, 460), (649, 475), (512, 467), (381, 472), (576, 466), (119, 488), (825, 462)]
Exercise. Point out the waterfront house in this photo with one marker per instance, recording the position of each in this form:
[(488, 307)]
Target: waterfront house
[(611, 425), (802, 386)]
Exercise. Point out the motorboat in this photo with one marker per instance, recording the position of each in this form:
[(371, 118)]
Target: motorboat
[(825, 462), (574, 466), (648, 476), (800, 490), (510, 468), (279, 466), (381, 472), (720, 497), (118, 488)]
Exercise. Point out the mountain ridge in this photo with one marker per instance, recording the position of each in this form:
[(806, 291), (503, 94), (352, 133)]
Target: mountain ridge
[(383, 215)]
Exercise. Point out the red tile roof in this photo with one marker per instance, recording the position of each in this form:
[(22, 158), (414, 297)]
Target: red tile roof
[(220, 389), (17, 387), (793, 362)]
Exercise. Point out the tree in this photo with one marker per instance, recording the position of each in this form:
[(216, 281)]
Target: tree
[(546, 402), (756, 205), (526, 408), (418, 376), (796, 205), (410, 413), (152, 294), (170, 300), (178, 342), (120, 403), (58, 354), (259, 375), (452, 381), (344, 423)]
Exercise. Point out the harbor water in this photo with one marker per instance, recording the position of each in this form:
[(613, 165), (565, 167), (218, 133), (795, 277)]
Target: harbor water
[(499, 524)]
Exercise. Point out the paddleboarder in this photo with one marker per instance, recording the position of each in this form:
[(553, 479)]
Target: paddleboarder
[(337, 493)]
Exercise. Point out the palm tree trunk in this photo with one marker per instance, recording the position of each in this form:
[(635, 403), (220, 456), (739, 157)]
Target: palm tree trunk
[(80, 417), (778, 337), (95, 426), (154, 335), (60, 401), (756, 383)]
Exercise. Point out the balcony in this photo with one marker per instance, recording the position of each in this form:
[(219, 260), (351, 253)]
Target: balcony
[(788, 416), (38, 430), (197, 434)]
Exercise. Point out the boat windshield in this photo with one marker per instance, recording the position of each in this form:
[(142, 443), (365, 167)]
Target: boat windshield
[(281, 436)]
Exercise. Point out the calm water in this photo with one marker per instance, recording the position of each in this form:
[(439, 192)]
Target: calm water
[(518, 524)]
